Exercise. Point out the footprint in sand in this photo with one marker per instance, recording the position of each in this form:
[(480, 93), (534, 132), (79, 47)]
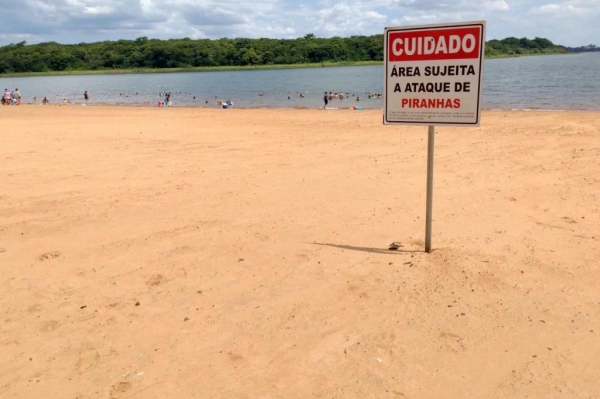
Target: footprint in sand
[(35, 308), (156, 279), (48, 256), (453, 342), (87, 359), (303, 257), (49, 325), (119, 388)]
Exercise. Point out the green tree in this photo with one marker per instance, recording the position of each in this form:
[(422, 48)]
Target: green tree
[(152, 53)]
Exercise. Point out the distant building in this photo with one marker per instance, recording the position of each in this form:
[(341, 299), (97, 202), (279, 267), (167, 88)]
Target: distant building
[(589, 47)]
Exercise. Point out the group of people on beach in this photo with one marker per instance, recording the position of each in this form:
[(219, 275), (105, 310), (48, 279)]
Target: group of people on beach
[(331, 95), (45, 101), (14, 98), (11, 97), (224, 104), (167, 100)]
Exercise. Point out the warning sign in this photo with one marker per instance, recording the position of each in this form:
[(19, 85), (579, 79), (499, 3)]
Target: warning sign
[(434, 74)]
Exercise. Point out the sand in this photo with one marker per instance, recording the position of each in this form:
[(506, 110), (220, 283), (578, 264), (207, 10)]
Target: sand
[(203, 253)]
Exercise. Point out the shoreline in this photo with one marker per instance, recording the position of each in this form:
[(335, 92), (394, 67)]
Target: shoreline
[(349, 108)]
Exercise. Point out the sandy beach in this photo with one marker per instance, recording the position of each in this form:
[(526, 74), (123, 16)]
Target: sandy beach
[(206, 253)]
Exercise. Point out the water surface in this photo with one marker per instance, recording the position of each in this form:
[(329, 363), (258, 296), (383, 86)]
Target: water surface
[(542, 82)]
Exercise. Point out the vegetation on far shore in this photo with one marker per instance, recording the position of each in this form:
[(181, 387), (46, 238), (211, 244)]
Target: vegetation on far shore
[(145, 55)]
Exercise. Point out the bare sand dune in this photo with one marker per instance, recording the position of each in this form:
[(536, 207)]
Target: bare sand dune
[(189, 253)]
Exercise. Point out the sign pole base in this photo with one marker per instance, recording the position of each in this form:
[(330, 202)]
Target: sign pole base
[(428, 215)]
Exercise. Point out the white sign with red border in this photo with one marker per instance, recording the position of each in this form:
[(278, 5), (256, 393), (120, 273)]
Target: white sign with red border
[(433, 74)]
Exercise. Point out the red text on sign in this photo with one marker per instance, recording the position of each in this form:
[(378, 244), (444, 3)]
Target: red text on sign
[(434, 44), (430, 103)]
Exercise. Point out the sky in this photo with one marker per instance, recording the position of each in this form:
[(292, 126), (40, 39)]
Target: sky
[(570, 23)]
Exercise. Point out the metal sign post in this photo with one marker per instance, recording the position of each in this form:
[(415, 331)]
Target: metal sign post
[(428, 214), (433, 76)]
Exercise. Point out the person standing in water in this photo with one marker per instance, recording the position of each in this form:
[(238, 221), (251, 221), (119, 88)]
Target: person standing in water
[(325, 100), (85, 95), (7, 97)]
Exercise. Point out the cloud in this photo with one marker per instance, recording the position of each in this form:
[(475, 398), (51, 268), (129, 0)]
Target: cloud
[(568, 9), (571, 22), (496, 5), (546, 9), (346, 19), (98, 10)]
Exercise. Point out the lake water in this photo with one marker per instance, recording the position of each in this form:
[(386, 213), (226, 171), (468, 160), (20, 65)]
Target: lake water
[(542, 82)]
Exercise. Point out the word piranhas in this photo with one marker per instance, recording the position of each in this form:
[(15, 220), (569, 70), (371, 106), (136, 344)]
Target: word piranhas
[(430, 103)]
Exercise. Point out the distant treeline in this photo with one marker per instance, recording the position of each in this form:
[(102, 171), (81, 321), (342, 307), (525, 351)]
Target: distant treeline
[(523, 46), (187, 53)]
